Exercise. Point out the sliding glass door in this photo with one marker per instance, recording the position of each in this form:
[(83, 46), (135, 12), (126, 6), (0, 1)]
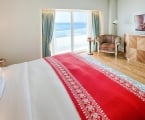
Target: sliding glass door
[(80, 21), (71, 31), (62, 36)]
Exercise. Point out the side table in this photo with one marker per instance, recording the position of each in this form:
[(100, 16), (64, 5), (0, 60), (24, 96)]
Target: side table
[(90, 40), (2, 62)]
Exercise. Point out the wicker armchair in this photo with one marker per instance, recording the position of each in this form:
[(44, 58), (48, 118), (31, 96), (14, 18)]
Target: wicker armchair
[(108, 43)]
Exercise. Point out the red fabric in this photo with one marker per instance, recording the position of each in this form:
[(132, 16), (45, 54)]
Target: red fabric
[(115, 101)]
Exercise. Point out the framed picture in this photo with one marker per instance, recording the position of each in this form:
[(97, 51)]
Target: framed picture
[(140, 22)]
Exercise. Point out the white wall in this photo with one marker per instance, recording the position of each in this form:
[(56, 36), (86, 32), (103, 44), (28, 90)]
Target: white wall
[(112, 15), (20, 25), (126, 11)]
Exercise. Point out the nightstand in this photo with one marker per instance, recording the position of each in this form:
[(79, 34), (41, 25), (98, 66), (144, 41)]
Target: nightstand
[(2, 62)]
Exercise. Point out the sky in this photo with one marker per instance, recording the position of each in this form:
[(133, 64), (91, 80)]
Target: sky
[(66, 17)]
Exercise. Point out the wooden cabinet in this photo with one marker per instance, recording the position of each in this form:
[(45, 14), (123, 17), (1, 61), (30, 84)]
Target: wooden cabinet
[(135, 47)]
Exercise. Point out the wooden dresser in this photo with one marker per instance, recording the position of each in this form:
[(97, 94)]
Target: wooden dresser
[(135, 47)]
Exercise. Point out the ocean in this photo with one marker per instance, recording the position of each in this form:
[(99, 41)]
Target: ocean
[(64, 29)]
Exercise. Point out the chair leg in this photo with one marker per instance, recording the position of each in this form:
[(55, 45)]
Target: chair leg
[(98, 47), (98, 52), (115, 53), (116, 50)]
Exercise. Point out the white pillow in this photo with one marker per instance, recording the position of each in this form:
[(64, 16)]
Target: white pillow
[(2, 84)]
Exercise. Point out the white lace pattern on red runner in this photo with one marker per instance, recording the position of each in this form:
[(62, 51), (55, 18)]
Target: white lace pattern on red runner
[(88, 105), (129, 86)]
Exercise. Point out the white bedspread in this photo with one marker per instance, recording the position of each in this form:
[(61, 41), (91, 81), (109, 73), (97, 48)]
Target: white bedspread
[(34, 92)]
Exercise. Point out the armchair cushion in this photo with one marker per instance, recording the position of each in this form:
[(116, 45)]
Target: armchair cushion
[(110, 47)]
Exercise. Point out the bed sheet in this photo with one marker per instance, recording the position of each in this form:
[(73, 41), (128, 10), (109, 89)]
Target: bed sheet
[(34, 92)]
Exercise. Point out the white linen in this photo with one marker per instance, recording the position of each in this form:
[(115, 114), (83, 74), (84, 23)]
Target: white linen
[(2, 84), (34, 92)]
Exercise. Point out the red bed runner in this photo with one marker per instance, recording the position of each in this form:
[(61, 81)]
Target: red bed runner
[(98, 94)]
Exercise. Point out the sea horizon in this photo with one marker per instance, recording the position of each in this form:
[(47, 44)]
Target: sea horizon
[(64, 29)]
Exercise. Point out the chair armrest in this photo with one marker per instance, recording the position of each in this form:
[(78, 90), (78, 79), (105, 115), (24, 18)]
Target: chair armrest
[(117, 40), (117, 43)]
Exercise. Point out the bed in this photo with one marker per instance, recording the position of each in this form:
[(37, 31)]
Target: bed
[(69, 87)]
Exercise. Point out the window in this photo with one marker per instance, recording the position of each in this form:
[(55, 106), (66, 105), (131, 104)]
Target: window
[(71, 31)]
